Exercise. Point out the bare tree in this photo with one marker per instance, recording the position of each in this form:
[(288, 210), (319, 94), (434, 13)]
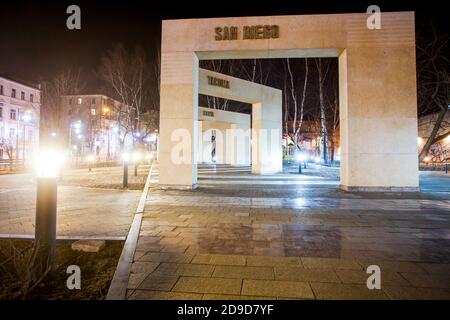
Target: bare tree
[(297, 99), (54, 115), (322, 70), (8, 147), (332, 102), (128, 76), (433, 85)]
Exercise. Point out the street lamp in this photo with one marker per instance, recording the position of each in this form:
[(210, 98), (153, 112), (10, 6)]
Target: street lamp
[(48, 164), (26, 120), (125, 159), (136, 158), (301, 157)]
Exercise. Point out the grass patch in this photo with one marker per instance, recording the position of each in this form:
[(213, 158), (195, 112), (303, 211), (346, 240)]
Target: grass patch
[(17, 280)]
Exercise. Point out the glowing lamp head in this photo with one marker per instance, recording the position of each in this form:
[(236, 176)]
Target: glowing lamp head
[(27, 117), (90, 158), (53, 134), (301, 156), (49, 163), (137, 156), (126, 157), (152, 138), (148, 156)]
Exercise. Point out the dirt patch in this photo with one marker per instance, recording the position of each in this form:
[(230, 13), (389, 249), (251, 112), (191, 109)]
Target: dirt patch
[(97, 271)]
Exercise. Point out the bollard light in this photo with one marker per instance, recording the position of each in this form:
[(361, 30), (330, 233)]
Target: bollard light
[(149, 157), (48, 165), (301, 157), (125, 159), (90, 159), (137, 156)]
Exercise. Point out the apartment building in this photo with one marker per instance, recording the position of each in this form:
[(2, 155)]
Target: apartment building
[(93, 127), (20, 105)]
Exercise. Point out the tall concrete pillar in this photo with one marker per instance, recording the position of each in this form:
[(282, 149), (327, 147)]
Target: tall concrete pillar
[(378, 118), (267, 136), (178, 115)]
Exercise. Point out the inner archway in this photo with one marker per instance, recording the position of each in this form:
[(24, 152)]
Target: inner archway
[(377, 88)]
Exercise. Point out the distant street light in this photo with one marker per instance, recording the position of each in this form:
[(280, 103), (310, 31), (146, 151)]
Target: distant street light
[(48, 164), (149, 157), (90, 159)]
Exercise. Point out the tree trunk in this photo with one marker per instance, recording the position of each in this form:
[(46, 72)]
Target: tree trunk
[(323, 126), (332, 146), (432, 137)]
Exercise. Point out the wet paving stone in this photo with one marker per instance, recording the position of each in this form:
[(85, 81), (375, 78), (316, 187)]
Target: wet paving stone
[(293, 236)]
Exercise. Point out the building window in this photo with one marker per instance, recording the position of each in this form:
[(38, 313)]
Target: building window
[(1, 90), (12, 133), (13, 93), (70, 101), (93, 112), (93, 101), (30, 135), (12, 114), (80, 101), (1, 112), (22, 95), (31, 98)]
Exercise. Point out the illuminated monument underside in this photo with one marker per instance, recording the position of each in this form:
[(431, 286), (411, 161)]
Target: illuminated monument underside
[(377, 87)]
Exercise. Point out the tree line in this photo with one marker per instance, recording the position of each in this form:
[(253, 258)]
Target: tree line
[(130, 76)]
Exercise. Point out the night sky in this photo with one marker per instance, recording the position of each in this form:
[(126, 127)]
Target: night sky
[(35, 42)]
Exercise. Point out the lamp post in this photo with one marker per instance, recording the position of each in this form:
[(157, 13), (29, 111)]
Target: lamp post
[(106, 113), (136, 158), (126, 159), (17, 136), (301, 157), (26, 119), (108, 153), (77, 125), (47, 169)]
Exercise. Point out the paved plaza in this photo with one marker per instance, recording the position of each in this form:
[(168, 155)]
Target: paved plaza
[(290, 236), (89, 203)]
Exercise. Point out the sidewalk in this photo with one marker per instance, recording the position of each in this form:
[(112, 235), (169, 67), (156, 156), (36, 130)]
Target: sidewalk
[(289, 237), (88, 204)]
